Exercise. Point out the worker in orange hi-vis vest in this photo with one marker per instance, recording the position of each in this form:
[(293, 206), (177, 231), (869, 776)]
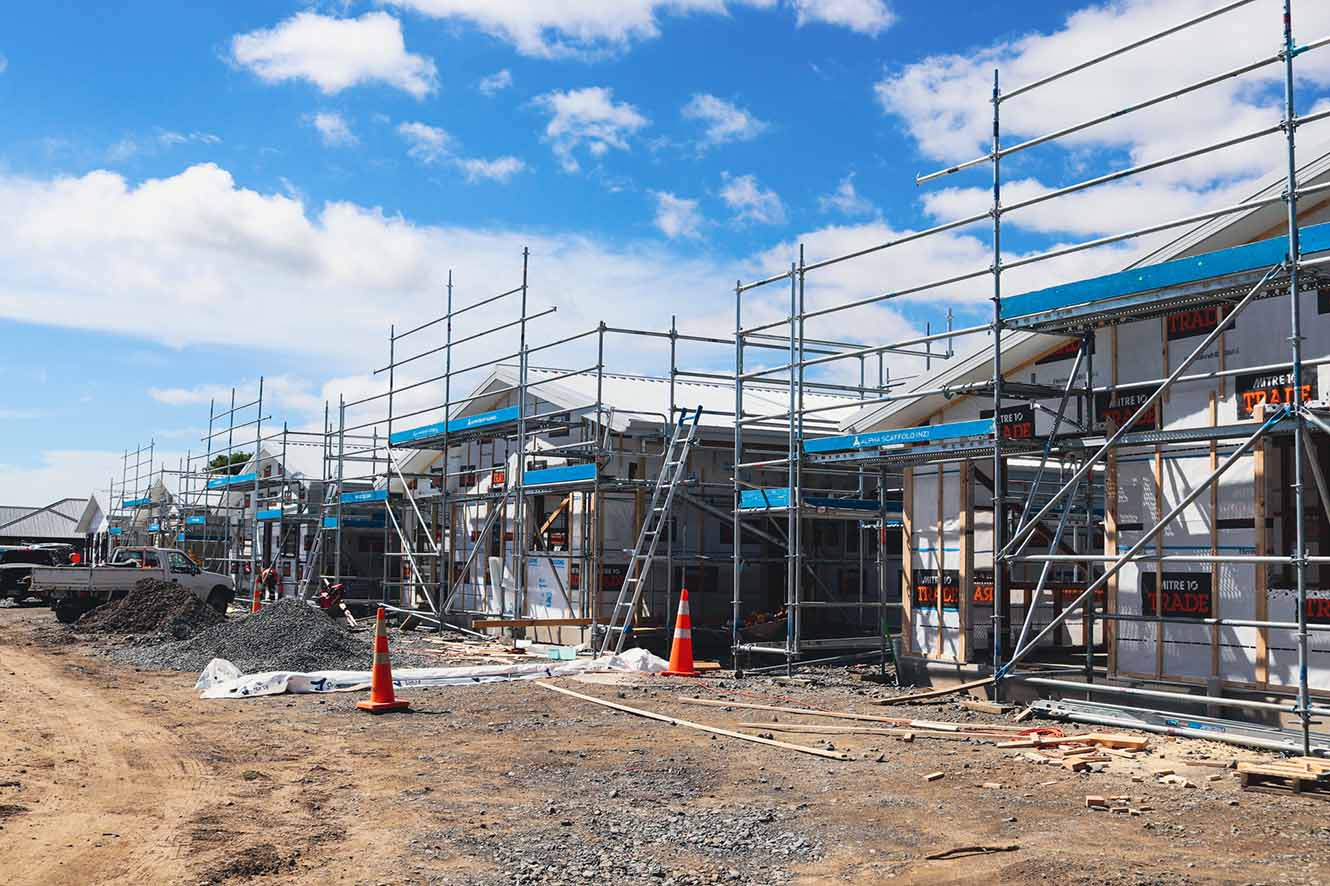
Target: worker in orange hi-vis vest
[(75, 558)]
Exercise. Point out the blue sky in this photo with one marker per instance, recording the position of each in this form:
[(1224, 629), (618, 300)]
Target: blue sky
[(203, 193)]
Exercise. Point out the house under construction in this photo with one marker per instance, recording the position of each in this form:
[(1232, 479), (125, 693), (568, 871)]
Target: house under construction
[(1123, 493)]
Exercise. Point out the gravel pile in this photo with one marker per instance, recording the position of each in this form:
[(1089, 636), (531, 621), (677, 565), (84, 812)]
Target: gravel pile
[(153, 607), (643, 844), (286, 636)]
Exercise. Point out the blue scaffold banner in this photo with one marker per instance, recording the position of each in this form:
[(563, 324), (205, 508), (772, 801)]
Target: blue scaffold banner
[(363, 496), (269, 514), (233, 480), (902, 436), (565, 474), (455, 426)]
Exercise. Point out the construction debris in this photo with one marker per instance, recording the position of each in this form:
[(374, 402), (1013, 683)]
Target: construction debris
[(715, 730), (936, 693), (902, 734), (1089, 738), (966, 730), (1297, 775), (961, 851)]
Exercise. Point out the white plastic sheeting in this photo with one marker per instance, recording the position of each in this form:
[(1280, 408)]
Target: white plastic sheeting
[(221, 679)]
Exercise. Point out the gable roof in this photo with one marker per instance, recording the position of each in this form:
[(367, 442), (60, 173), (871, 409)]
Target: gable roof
[(641, 402), (60, 519), (1021, 346)]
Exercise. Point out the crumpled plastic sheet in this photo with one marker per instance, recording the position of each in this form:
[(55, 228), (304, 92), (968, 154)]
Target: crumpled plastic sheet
[(221, 679)]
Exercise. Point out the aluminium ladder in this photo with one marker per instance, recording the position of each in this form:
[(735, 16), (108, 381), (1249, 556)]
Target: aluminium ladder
[(662, 497), (312, 559)]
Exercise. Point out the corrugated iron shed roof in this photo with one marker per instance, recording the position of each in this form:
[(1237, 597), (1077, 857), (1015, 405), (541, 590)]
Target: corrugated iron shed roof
[(52, 521)]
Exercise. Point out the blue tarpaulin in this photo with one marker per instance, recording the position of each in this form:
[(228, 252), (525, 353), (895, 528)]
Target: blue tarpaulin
[(565, 474)]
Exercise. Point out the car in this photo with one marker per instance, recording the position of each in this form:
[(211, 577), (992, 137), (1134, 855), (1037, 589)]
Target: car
[(72, 591), (16, 565)]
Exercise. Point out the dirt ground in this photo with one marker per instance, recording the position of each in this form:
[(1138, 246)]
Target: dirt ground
[(110, 775)]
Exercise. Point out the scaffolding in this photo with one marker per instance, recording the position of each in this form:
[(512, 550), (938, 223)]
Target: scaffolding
[(1072, 455), (131, 502), (496, 498), (239, 509)]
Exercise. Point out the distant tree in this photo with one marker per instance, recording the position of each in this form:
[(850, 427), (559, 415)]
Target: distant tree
[(228, 464)]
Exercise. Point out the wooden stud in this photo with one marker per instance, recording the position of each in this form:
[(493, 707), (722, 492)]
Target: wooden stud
[(1159, 565), (1217, 597), (966, 583), (907, 560), (941, 561), (1262, 576)]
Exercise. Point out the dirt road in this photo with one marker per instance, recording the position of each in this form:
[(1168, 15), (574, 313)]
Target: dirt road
[(108, 775)]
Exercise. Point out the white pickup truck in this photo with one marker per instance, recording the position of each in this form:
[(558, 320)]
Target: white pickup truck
[(73, 590)]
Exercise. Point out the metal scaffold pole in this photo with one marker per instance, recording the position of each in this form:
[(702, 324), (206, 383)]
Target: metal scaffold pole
[(792, 472), (1295, 341), (446, 554), (1001, 594), (519, 499), (736, 551), (341, 476)]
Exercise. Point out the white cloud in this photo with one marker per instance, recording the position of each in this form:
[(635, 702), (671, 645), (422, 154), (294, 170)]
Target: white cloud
[(335, 54), (676, 216), (500, 169), (171, 137), (750, 201), (333, 128), (596, 28), (124, 150), (588, 118), (432, 145), (195, 250), (128, 148), (569, 28), (279, 391), (943, 101), (865, 16), (495, 83), (725, 121), (846, 200), (428, 144), (61, 473)]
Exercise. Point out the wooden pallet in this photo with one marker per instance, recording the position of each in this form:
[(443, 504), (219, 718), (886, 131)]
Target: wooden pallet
[(1300, 775)]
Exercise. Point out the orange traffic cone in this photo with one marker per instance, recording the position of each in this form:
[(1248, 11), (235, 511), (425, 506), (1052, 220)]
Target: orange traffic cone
[(381, 699), (681, 651), (257, 603)]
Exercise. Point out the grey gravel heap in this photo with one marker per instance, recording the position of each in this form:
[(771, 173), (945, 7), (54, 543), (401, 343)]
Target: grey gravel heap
[(286, 636), (153, 607)]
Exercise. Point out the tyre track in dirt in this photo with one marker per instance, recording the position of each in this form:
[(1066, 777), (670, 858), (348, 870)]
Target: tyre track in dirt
[(107, 790)]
